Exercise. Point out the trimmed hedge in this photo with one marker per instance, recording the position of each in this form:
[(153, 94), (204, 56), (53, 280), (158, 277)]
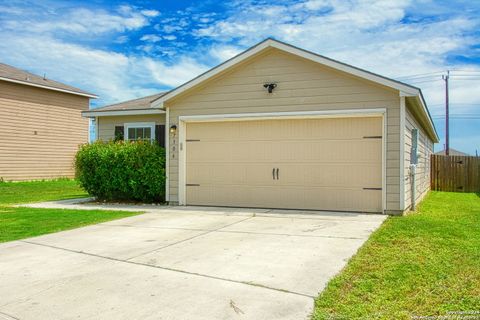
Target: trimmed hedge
[(122, 170)]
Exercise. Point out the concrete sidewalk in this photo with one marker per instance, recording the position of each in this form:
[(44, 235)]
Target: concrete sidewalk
[(180, 263)]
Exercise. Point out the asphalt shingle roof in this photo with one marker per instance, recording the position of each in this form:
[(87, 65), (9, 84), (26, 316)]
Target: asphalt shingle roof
[(135, 104), (18, 75)]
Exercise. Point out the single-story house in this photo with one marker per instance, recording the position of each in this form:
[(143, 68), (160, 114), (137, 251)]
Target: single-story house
[(281, 127), (42, 125), (451, 152)]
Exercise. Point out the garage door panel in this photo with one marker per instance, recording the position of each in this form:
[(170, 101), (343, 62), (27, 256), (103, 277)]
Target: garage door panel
[(232, 195), (361, 150), (230, 173), (286, 129), (330, 174), (326, 175), (312, 198), (327, 164)]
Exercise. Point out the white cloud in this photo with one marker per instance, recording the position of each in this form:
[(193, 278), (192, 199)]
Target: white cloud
[(370, 35), (150, 38), (224, 52), (170, 28), (80, 21), (113, 76), (150, 13), (173, 75), (121, 39)]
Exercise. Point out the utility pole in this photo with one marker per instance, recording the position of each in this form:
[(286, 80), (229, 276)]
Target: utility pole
[(447, 134)]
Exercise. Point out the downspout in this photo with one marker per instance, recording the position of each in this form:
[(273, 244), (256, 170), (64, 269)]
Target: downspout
[(96, 128), (413, 168)]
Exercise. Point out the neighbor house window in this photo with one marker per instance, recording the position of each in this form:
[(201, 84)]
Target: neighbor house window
[(140, 131)]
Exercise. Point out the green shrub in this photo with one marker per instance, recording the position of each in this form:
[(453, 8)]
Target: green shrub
[(122, 170)]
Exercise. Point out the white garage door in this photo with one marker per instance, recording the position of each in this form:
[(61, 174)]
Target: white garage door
[(322, 164)]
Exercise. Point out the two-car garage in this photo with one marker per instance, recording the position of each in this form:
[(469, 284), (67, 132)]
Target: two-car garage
[(322, 163)]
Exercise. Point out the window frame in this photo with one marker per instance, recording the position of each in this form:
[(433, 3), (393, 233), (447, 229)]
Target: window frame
[(133, 125)]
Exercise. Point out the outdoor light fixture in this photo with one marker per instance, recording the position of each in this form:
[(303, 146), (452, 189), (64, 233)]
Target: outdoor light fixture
[(270, 86), (173, 129)]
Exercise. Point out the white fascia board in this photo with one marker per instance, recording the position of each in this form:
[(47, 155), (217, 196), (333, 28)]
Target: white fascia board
[(92, 113), (429, 118), (270, 43), (285, 115), (49, 88)]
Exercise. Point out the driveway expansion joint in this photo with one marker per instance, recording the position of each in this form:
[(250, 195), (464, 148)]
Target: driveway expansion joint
[(188, 239), (248, 283), (228, 231)]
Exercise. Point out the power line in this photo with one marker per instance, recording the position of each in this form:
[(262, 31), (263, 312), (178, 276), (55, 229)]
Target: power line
[(467, 79), (419, 74), (464, 70), (456, 104), (424, 81), (458, 116)]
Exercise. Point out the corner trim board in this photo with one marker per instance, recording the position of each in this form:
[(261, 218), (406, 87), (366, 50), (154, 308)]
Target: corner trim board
[(402, 152), (167, 154)]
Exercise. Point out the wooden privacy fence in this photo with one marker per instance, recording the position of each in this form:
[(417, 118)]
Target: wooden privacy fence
[(455, 173)]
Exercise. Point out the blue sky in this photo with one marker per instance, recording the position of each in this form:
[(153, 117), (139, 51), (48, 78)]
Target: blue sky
[(122, 50)]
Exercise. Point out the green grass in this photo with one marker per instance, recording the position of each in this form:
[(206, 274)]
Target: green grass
[(423, 264), (19, 223), (34, 191)]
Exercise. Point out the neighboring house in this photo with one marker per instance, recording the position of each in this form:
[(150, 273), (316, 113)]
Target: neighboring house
[(452, 152), (41, 125), (329, 136)]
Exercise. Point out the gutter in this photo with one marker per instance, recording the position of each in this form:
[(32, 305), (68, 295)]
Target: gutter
[(131, 112), (88, 95)]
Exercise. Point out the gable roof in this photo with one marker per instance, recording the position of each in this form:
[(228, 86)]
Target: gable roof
[(403, 88), (134, 106), (15, 75), (452, 152)]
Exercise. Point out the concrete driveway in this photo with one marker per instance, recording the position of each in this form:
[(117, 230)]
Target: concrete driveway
[(181, 263)]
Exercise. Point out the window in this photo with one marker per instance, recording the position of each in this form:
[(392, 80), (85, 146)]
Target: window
[(139, 131)]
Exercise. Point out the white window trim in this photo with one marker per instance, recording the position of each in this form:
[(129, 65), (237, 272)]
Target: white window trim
[(183, 120), (150, 125)]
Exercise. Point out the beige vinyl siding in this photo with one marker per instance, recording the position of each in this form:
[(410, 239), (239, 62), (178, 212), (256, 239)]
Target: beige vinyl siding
[(40, 132), (422, 171), (302, 86), (106, 125)]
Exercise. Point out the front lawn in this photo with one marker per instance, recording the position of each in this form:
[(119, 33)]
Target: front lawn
[(423, 264), (35, 191), (19, 223)]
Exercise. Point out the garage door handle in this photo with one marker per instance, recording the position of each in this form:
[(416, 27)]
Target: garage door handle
[(277, 172), (273, 173)]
